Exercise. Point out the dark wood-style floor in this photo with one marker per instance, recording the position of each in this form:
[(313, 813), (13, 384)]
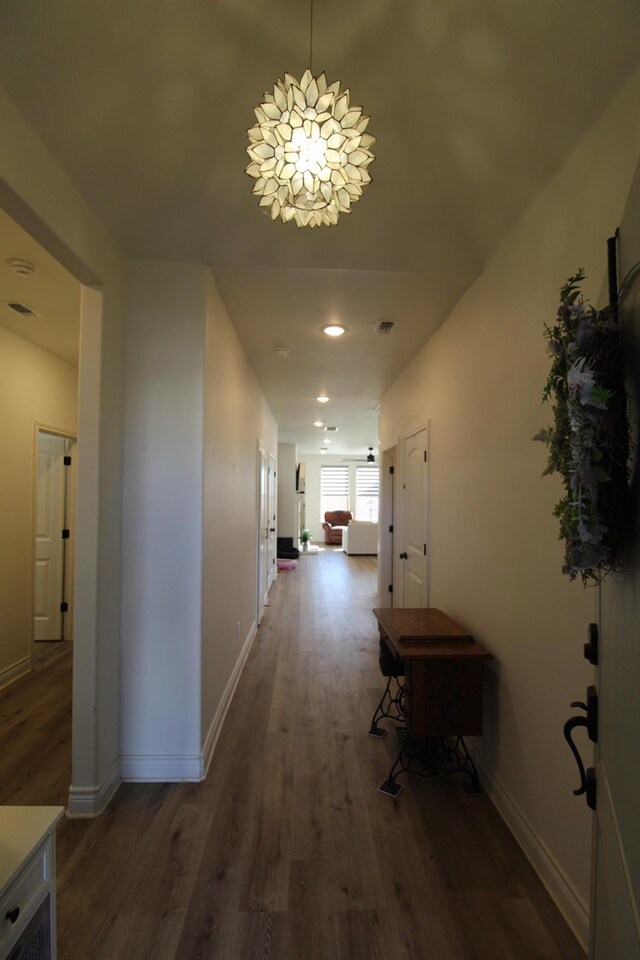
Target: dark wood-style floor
[(287, 851)]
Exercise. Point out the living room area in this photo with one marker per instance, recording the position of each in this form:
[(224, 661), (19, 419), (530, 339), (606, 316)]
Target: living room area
[(328, 502)]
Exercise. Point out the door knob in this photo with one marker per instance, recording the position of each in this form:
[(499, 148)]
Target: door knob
[(404, 556)]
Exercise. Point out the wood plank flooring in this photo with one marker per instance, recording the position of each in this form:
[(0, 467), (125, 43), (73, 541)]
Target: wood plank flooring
[(287, 851), (35, 730)]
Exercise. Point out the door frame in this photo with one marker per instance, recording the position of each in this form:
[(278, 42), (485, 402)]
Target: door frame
[(388, 516), (272, 506), (69, 552), (262, 510)]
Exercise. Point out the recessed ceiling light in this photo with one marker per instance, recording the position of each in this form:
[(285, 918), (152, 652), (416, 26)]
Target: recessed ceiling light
[(334, 330), (323, 450), (322, 399), (318, 423), (327, 441), (281, 352)]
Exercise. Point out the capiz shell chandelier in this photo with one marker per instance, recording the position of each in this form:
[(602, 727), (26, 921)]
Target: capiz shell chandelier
[(309, 151)]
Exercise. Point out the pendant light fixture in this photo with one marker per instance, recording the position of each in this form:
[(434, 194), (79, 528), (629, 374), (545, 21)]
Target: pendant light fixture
[(309, 150)]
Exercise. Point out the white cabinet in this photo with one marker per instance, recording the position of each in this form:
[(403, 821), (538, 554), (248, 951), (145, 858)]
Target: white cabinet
[(27, 882)]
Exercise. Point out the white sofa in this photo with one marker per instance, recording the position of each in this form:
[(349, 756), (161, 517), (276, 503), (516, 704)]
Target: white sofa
[(360, 537)]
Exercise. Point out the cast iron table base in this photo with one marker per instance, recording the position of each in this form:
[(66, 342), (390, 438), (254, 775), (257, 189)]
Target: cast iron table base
[(391, 706), (431, 757)]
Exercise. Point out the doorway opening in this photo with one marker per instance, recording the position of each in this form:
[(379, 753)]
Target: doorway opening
[(49, 387)]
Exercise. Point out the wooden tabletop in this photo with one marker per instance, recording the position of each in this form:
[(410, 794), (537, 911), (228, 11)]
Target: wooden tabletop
[(21, 830), (427, 624), (427, 633)]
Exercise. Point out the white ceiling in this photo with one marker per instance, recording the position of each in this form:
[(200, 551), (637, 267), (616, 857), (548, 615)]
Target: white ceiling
[(51, 292), (473, 105)]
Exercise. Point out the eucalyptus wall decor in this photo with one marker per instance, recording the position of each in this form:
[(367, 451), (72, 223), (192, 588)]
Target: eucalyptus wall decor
[(588, 443)]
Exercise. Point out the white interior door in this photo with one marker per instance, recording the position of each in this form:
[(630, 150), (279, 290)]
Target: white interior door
[(615, 907), (413, 557), (615, 933), (49, 544), (263, 530), (271, 539)]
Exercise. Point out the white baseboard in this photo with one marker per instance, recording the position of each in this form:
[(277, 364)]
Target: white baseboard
[(568, 901), (225, 702), (88, 802), (161, 767), (18, 669), (178, 768)]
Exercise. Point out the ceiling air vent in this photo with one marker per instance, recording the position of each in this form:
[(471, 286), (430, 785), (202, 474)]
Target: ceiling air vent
[(20, 308), (384, 326), (331, 429)]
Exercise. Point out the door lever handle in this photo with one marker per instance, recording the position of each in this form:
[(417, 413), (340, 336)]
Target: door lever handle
[(590, 722), (568, 729), (591, 709), (404, 556)]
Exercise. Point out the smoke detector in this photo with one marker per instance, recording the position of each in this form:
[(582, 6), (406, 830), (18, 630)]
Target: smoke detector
[(22, 268)]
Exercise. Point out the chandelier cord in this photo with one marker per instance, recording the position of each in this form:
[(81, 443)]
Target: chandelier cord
[(311, 36)]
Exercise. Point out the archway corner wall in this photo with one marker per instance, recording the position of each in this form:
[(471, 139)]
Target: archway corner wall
[(37, 193)]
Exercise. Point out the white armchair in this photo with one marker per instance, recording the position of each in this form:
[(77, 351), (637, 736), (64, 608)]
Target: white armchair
[(360, 537)]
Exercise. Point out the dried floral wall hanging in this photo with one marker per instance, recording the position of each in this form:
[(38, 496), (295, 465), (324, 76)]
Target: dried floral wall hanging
[(588, 444)]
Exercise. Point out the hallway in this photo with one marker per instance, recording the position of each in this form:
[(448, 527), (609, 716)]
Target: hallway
[(288, 851)]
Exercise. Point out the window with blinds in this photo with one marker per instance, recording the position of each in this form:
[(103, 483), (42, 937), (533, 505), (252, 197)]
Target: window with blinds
[(367, 491), (334, 489)]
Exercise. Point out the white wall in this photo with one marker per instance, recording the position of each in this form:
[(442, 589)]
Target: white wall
[(236, 418), (194, 416), (34, 386), (163, 515), (495, 557), (39, 196), (287, 497)]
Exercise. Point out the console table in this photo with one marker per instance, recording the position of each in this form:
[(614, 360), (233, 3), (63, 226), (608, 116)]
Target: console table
[(434, 687), (27, 882)]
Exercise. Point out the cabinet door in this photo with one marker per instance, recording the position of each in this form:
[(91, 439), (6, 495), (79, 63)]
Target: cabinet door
[(21, 906)]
